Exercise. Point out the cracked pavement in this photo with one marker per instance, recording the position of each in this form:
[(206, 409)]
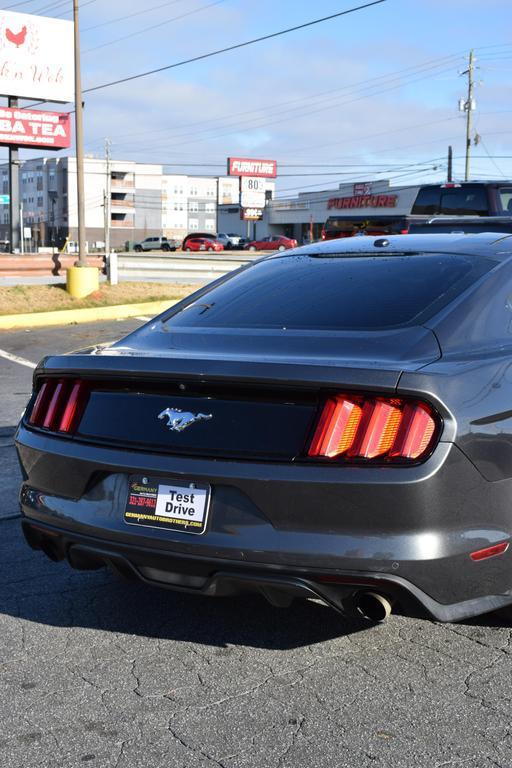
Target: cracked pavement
[(99, 672)]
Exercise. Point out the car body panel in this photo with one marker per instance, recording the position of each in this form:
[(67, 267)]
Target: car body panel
[(279, 520)]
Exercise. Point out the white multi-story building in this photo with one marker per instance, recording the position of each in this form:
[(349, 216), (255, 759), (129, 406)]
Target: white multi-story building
[(48, 196), (144, 201), (189, 204)]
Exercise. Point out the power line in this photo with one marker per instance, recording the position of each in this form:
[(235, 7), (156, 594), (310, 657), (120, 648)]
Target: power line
[(365, 84), (131, 15), (233, 47), (154, 26), (368, 91)]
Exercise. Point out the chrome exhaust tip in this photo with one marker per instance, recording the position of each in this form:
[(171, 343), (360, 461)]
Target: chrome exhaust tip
[(372, 606)]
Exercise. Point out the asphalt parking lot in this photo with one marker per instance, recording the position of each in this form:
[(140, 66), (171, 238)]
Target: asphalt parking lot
[(102, 673)]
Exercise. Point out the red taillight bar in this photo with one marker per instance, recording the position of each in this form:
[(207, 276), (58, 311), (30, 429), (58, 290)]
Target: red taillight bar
[(59, 405), (354, 427), (73, 407)]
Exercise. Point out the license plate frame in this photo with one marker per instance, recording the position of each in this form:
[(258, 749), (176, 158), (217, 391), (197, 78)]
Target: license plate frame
[(164, 504)]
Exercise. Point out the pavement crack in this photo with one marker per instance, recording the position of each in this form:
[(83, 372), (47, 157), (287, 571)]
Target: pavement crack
[(195, 750)]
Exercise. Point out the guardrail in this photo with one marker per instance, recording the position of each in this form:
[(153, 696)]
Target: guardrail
[(180, 268), (169, 267), (42, 265)]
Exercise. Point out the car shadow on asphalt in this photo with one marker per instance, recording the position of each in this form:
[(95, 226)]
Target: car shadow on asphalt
[(35, 589)]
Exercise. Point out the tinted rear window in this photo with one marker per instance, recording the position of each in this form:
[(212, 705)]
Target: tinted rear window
[(467, 200), (335, 292)]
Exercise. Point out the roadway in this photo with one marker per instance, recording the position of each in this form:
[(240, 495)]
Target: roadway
[(99, 672)]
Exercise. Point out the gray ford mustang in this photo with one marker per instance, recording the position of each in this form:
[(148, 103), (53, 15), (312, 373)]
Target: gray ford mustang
[(333, 422)]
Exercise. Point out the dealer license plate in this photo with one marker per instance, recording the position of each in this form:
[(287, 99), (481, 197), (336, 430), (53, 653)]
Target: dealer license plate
[(155, 503)]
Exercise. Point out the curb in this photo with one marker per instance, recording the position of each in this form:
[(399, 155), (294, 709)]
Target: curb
[(89, 315)]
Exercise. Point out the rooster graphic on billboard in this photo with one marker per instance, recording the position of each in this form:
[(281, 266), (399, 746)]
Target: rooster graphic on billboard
[(36, 57)]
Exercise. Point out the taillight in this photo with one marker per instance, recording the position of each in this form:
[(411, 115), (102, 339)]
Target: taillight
[(59, 405), (375, 429), (323, 234)]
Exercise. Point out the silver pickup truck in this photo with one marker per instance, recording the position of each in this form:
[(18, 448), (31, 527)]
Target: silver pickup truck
[(155, 244)]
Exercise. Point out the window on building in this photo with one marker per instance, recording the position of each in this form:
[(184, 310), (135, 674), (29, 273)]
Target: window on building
[(5, 187), (210, 224), (40, 202), (193, 223), (209, 207), (193, 206)]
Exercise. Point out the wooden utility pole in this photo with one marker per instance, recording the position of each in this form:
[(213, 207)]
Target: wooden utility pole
[(469, 106), (79, 138), (450, 164)]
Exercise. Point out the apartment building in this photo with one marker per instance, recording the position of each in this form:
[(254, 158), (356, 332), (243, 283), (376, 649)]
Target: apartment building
[(144, 202), (48, 191), (189, 204)]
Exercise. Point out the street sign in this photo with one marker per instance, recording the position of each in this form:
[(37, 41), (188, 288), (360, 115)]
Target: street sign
[(5, 199)]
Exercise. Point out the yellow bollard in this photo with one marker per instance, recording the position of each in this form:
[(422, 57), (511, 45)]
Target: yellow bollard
[(81, 281)]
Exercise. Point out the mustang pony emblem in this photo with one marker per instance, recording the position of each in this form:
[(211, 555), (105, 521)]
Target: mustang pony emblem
[(178, 420)]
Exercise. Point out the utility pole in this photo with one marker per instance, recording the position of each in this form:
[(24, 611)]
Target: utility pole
[(468, 106), (107, 197), (450, 164), (79, 137)]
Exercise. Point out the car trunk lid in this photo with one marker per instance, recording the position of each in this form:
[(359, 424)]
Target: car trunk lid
[(231, 394)]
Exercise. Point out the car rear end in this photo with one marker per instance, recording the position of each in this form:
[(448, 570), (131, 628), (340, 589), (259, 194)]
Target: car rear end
[(218, 450)]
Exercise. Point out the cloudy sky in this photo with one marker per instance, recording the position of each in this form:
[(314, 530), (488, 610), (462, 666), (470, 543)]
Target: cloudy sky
[(373, 94)]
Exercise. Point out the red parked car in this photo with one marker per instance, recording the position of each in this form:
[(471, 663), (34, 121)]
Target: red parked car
[(271, 243), (203, 244)]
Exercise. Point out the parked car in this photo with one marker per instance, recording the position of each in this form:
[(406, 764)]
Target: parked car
[(230, 242), (203, 244), (155, 244), (330, 423), (224, 239), (194, 235), (235, 240), (271, 243)]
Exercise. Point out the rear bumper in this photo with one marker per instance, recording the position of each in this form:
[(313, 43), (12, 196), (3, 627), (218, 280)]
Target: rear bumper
[(317, 531), (219, 577)]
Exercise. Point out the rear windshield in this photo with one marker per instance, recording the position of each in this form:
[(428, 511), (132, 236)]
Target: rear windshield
[(467, 200), (335, 292)]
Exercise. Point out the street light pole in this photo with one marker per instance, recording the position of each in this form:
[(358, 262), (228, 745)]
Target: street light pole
[(79, 140)]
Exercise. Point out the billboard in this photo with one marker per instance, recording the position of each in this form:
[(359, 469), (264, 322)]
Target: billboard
[(245, 166), (34, 128), (252, 192), (251, 214), (36, 57)]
